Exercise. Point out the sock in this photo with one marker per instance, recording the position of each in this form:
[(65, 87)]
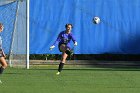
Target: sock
[(1, 70), (60, 67)]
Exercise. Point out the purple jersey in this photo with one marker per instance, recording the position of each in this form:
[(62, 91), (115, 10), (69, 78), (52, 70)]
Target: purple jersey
[(64, 38)]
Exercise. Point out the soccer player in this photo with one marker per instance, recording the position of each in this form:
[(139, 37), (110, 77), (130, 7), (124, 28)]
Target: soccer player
[(2, 54), (63, 41)]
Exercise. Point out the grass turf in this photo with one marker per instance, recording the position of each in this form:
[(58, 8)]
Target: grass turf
[(41, 80)]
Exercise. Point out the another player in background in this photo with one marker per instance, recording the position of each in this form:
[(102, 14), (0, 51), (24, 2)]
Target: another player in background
[(2, 54), (63, 41)]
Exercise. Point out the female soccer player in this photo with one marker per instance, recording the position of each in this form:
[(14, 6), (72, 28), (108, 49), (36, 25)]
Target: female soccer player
[(64, 39), (2, 54)]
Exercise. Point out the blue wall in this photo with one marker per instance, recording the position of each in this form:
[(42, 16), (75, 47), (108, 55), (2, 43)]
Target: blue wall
[(118, 32)]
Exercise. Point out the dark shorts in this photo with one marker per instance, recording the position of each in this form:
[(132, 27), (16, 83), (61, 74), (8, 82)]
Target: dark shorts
[(1, 53), (68, 48)]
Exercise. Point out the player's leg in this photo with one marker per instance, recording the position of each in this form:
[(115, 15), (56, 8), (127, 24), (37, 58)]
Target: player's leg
[(3, 63), (69, 51), (63, 59)]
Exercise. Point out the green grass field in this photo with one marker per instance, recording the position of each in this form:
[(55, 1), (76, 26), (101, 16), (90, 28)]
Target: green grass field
[(87, 80)]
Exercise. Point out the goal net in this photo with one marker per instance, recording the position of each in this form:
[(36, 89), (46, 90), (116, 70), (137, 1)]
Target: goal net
[(13, 15)]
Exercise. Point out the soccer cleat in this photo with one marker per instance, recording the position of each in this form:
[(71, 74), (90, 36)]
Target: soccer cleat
[(57, 73)]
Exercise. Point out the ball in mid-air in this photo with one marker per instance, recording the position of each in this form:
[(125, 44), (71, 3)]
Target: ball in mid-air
[(96, 20)]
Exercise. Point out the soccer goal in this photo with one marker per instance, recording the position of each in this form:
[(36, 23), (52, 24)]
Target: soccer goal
[(14, 15)]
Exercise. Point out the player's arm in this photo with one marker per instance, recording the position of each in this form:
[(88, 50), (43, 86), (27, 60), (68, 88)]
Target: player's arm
[(56, 42), (73, 39)]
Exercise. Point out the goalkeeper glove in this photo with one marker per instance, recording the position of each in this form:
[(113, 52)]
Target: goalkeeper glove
[(51, 47), (75, 43)]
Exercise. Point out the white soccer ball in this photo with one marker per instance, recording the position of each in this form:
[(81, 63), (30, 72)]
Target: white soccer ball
[(96, 20)]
